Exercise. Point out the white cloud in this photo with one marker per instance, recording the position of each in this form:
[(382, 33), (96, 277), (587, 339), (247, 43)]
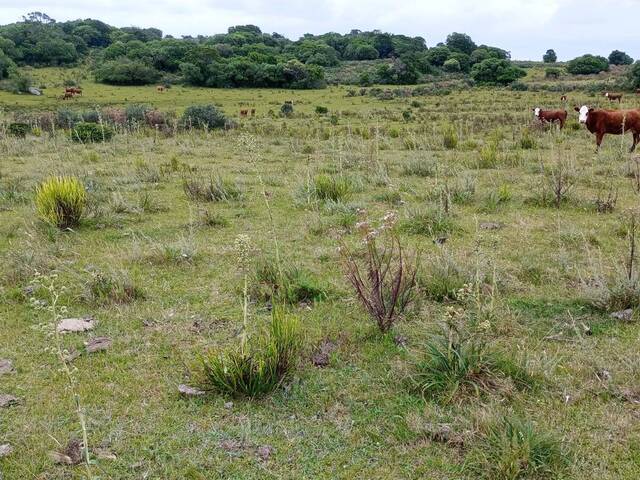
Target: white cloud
[(525, 27)]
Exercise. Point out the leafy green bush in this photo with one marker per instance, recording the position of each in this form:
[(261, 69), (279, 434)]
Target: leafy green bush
[(634, 75), (286, 109), (587, 64), (18, 129), (136, 113), (261, 366), (321, 110), (203, 116), (61, 201), (451, 65), (619, 58), (494, 71), (85, 132), (552, 72), (126, 72), (550, 56)]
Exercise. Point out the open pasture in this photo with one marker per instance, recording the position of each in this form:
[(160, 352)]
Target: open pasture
[(528, 217)]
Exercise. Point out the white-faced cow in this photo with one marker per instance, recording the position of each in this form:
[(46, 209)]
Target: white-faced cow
[(614, 122), (551, 116), (613, 96)]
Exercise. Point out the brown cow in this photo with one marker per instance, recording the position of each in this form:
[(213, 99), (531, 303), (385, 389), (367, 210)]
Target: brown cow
[(73, 91), (563, 98), (551, 116), (244, 113), (613, 96), (160, 88), (615, 122), (67, 95)]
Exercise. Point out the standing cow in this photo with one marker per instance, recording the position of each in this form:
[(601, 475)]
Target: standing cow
[(614, 122), (613, 96), (551, 116)]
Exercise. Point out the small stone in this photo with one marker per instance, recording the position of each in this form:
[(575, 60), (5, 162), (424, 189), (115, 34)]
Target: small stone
[(104, 454), (6, 366), (400, 341), (491, 226), (189, 391), (8, 400), (228, 405), (72, 454), (76, 324), (97, 344), (320, 357), (623, 315), (5, 450)]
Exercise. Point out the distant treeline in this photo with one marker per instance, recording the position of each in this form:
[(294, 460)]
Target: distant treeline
[(242, 57)]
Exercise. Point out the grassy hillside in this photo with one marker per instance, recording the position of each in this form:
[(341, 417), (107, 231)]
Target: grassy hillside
[(482, 213)]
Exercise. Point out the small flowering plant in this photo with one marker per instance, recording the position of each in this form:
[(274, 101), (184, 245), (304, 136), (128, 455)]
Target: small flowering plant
[(382, 277)]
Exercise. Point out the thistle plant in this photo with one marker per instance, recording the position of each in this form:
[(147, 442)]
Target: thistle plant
[(243, 249), (51, 306)]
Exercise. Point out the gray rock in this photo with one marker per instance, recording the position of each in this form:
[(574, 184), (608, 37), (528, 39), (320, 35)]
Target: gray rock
[(491, 226), (7, 400), (34, 91), (624, 315), (97, 344), (189, 391), (6, 366), (76, 324), (5, 450)]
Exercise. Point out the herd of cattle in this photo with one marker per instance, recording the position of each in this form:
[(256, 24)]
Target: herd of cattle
[(598, 121)]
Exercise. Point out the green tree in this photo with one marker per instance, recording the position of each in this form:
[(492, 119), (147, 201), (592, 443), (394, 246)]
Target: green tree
[(619, 58), (461, 42), (587, 64), (550, 56), (494, 71)]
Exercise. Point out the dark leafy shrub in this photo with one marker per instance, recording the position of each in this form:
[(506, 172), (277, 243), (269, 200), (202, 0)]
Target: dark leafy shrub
[(587, 64), (19, 130), (320, 110), (135, 113), (619, 58), (451, 65), (66, 118), (203, 116), (550, 56), (494, 71), (126, 72), (85, 132), (286, 109)]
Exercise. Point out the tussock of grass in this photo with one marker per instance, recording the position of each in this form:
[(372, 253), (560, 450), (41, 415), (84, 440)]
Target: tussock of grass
[(432, 221), (289, 284), (512, 449), (262, 366), (216, 189), (113, 287), (61, 201)]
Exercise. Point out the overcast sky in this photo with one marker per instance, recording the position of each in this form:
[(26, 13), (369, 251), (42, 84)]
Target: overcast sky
[(525, 27)]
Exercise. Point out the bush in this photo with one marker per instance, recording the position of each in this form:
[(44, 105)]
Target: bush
[(443, 279), (126, 72), (203, 116), (18, 129), (135, 113), (287, 109), (513, 449), (320, 110), (587, 64), (551, 72), (85, 132), (451, 65), (432, 221), (61, 201), (105, 288), (634, 75), (619, 58), (384, 280), (66, 118), (494, 71), (261, 366)]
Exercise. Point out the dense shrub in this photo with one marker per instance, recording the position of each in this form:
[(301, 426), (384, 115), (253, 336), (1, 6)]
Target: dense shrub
[(321, 110), (85, 132), (135, 113), (286, 284), (126, 72), (18, 129), (451, 65), (66, 118), (587, 64), (203, 116), (551, 72), (493, 71), (61, 201), (634, 75), (286, 109)]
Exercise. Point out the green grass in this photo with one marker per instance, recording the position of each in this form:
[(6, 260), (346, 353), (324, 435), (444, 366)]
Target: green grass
[(355, 417)]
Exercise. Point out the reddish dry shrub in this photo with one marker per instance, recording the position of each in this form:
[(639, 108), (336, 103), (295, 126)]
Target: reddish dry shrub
[(114, 115), (154, 118)]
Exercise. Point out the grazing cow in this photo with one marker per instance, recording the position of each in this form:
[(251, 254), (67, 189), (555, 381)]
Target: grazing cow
[(244, 113), (551, 116), (160, 88), (613, 97), (638, 91), (563, 98), (67, 95), (73, 91), (615, 122), (253, 112)]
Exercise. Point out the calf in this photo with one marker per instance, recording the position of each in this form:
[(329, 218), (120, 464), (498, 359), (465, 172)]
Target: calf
[(563, 98), (615, 122), (551, 116), (613, 97)]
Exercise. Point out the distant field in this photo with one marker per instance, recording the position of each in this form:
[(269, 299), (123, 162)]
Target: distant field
[(473, 180)]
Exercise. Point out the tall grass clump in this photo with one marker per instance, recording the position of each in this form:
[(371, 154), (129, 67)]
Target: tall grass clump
[(216, 189), (332, 188), (443, 278), (111, 288), (383, 278), (286, 284), (457, 366), (449, 136), (260, 365), (513, 449), (433, 221), (61, 201)]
